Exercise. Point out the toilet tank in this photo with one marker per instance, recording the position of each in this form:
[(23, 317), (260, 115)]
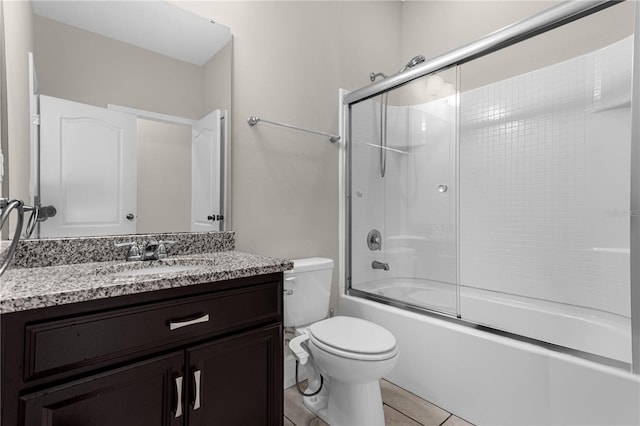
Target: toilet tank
[(307, 289)]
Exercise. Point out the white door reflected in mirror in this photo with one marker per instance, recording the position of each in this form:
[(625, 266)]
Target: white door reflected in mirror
[(87, 169)]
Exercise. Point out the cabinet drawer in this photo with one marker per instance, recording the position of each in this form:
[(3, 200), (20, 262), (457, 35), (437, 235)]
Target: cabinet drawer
[(94, 340)]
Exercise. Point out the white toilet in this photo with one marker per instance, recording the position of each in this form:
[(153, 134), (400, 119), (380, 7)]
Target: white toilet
[(350, 354)]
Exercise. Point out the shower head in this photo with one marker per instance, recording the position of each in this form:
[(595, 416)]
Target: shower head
[(413, 62)]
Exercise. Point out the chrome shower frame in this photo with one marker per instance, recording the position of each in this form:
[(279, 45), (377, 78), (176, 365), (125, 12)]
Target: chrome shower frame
[(542, 22)]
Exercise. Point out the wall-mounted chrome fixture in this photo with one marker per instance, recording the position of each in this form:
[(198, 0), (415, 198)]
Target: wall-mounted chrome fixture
[(253, 120), (418, 59), (374, 240), (6, 207), (380, 265)]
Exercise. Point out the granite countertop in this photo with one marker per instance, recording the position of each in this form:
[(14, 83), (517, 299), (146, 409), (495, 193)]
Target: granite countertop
[(31, 288)]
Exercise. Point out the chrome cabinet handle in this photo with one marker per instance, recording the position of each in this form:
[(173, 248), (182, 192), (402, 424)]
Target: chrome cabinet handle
[(179, 324), (179, 396), (196, 379)]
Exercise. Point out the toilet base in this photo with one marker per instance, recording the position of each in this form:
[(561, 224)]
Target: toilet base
[(348, 404)]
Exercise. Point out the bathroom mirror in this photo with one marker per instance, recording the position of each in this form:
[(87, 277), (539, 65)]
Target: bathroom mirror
[(165, 70)]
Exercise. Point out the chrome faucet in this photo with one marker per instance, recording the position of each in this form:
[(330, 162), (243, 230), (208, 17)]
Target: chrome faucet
[(134, 250), (151, 251), (155, 250), (380, 265)]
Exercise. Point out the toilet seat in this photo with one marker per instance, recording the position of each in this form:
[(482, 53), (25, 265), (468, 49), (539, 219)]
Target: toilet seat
[(353, 338)]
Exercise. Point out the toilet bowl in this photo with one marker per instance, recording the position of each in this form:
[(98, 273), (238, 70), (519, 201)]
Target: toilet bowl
[(350, 354)]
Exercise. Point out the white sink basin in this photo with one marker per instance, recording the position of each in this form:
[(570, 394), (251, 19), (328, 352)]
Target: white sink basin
[(156, 270)]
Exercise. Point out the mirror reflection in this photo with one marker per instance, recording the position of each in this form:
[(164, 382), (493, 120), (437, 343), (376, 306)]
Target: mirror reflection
[(133, 99)]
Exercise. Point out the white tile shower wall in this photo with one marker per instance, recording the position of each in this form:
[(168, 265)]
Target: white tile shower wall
[(544, 183)]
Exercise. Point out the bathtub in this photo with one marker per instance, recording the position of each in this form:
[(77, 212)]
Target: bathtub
[(586, 330), (490, 378)]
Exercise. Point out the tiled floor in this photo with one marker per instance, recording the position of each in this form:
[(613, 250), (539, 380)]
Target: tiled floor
[(401, 408)]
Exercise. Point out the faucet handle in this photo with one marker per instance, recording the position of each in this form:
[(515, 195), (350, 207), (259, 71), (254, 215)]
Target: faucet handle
[(134, 250), (162, 248)]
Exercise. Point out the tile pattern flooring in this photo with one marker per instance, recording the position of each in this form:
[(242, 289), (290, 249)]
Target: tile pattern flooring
[(401, 408)]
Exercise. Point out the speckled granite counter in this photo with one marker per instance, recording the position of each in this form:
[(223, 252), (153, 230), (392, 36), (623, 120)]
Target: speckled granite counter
[(67, 251), (53, 272), (31, 288)]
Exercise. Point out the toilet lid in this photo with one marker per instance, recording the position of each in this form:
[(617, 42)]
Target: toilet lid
[(353, 335)]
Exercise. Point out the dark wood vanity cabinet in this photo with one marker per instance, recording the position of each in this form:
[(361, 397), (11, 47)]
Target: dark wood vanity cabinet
[(139, 394), (205, 354)]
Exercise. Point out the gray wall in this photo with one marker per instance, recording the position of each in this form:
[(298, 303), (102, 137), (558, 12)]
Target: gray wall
[(432, 28), (98, 70), (85, 67), (289, 60), (18, 27), (165, 175)]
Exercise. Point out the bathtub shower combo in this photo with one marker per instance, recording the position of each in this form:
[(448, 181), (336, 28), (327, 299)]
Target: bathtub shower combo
[(502, 202)]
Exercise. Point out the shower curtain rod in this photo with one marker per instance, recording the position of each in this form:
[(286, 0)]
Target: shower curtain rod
[(253, 120), (537, 24)]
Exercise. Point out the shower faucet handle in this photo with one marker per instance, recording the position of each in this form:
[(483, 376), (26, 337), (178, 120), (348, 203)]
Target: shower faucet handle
[(374, 240)]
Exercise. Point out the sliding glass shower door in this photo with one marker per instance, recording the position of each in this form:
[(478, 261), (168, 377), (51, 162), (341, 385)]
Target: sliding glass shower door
[(403, 194), (544, 185), (498, 191)]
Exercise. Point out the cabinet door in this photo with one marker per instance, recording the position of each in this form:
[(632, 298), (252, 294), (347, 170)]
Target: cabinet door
[(142, 394), (237, 380)]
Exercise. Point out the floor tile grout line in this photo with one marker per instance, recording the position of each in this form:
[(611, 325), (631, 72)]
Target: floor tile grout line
[(445, 420), (434, 404), (403, 413), (449, 414), (418, 396)]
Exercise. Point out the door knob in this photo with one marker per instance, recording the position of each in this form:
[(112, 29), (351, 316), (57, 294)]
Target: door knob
[(130, 216)]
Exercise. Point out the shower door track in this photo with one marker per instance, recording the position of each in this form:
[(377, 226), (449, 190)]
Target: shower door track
[(452, 318)]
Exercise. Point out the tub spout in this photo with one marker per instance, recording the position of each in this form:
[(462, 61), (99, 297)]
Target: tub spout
[(380, 265)]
